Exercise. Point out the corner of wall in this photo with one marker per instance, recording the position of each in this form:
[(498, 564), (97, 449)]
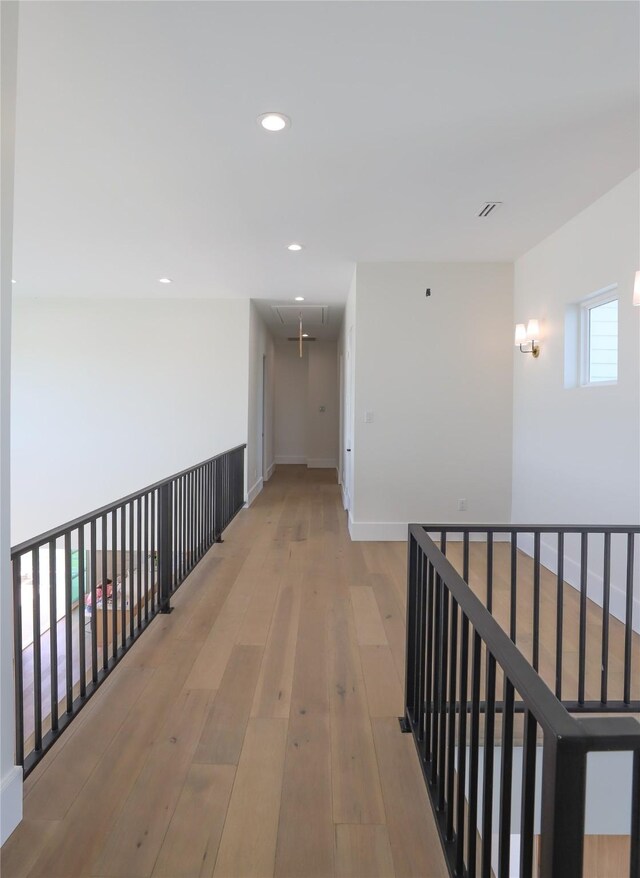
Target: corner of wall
[(10, 802), (254, 490), (378, 531)]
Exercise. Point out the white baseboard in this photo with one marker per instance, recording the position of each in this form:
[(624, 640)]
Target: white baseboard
[(311, 462), (254, 491), (270, 471), (378, 531), (10, 802), (345, 497)]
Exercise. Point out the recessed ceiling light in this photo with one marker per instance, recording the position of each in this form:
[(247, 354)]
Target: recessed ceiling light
[(299, 298), (294, 247), (274, 121), (164, 280), (305, 335), (13, 281)]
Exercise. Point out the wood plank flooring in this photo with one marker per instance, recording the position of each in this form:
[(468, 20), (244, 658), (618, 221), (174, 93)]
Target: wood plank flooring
[(253, 732)]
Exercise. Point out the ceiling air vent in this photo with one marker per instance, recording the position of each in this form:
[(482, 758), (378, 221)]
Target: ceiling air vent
[(489, 207)]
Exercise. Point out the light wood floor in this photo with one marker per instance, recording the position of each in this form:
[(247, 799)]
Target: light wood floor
[(254, 731)]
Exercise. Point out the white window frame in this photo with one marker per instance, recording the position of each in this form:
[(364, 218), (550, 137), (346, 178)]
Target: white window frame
[(602, 297)]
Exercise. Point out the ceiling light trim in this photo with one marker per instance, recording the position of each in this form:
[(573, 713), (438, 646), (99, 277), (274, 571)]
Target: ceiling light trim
[(274, 122)]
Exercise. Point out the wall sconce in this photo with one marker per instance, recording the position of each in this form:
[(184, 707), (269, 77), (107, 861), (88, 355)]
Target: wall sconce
[(528, 339), (636, 289)]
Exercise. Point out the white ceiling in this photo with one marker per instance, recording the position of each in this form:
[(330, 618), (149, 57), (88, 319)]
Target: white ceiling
[(138, 154), (321, 321)]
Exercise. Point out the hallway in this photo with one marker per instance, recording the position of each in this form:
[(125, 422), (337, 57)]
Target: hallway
[(253, 732)]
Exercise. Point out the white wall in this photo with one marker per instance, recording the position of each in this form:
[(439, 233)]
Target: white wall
[(260, 455), (304, 434), (111, 395), (322, 393), (10, 774), (576, 450), (436, 374), (290, 422)]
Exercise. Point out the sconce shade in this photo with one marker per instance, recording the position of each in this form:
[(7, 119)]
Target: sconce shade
[(533, 330), (521, 334), (636, 289)]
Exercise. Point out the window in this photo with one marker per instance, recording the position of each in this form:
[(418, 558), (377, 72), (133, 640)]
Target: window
[(599, 338)]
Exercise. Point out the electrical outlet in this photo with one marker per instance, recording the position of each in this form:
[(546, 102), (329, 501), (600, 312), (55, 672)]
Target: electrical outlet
[(462, 505), (368, 417), (322, 408)]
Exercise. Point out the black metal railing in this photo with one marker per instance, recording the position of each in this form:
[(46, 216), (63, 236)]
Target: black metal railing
[(85, 591), (513, 567), (502, 756)]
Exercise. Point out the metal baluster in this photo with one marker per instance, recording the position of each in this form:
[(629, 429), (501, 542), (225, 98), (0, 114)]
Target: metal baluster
[(411, 640), (164, 546), (490, 571), (139, 562), (451, 745), (559, 615), (437, 658), (462, 743), (527, 810), (514, 586), (123, 573), (474, 755), (583, 617), (536, 599), (606, 594), (442, 746), (93, 541), (465, 556), (419, 659), (67, 620), (154, 568), (82, 662), (506, 772), (103, 599), (37, 655), (53, 632), (181, 541), (146, 558), (487, 792), (628, 621), (174, 540), (18, 657), (429, 623), (114, 576), (132, 588)]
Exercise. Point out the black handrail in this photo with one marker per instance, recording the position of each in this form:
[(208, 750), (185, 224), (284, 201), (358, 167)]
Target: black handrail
[(41, 539), (121, 562), (530, 528), (453, 641)]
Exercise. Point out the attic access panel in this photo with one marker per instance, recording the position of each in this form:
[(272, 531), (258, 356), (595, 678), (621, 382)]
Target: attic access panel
[(289, 315)]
